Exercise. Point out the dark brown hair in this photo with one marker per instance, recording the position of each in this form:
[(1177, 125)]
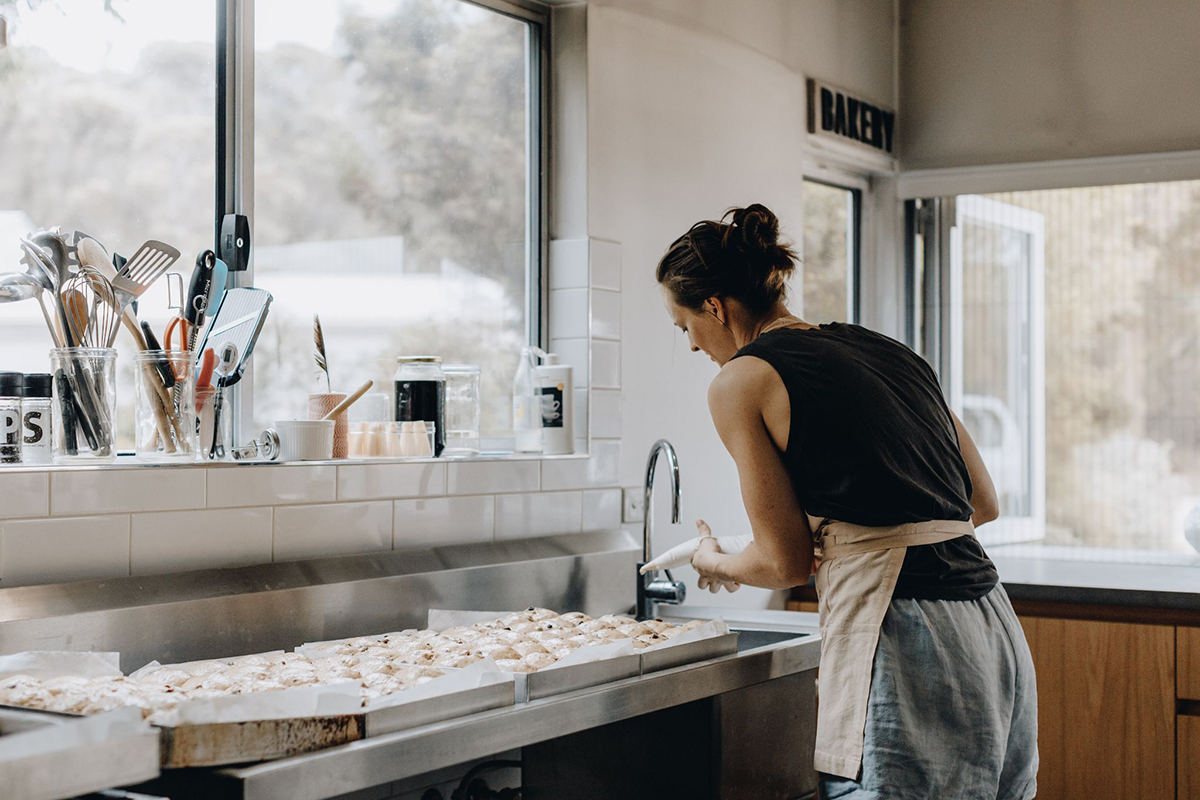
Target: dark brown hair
[(741, 259)]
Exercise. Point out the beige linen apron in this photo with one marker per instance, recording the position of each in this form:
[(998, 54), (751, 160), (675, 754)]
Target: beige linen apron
[(857, 574)]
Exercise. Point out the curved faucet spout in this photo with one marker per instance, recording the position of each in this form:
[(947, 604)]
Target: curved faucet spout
[(661, 446), (649, 590)]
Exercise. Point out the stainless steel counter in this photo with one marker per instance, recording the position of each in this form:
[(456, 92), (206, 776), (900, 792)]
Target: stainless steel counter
[(398, 756), (718, 704)]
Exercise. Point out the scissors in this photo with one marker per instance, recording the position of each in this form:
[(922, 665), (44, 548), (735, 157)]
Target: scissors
[(178, 326)]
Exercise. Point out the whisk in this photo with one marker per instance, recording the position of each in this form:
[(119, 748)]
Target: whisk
[(91, 308)]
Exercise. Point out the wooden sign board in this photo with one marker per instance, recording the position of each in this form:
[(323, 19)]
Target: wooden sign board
[(838, 115)]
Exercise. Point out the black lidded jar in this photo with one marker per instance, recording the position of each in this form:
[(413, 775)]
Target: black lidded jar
[(420, 388)]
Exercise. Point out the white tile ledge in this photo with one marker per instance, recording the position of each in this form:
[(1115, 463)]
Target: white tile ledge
[(130, 462)]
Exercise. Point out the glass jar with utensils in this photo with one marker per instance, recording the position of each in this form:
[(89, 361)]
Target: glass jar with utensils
[(85, 398), (165, 406)]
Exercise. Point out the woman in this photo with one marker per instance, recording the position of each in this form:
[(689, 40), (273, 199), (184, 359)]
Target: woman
[(842, 440)]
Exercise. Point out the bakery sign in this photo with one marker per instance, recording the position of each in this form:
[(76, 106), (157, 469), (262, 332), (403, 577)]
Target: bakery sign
[(837, 114)]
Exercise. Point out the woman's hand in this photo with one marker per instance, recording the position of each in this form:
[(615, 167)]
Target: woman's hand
[(703, 561)]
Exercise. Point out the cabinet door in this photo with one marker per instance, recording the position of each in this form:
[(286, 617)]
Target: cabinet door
[(1187, 647), (1106, 708), (1189, 758)]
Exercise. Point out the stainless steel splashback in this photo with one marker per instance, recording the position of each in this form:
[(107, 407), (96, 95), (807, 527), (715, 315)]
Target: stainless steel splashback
[(210, 613)]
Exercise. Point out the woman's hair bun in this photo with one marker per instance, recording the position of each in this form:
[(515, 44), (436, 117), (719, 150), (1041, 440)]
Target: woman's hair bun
[(755, 225), (740, 256)]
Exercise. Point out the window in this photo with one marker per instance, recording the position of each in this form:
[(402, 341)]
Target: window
[(830, 257), (106, 126), (1078, 315), (393, 181)]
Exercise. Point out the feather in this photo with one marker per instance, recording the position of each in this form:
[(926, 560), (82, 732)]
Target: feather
[(319, 351)]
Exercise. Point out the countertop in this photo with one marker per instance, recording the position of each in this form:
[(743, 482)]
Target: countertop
[(1100, 582)]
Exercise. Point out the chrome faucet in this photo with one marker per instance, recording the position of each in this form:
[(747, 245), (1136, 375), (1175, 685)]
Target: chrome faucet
[(649, 590)]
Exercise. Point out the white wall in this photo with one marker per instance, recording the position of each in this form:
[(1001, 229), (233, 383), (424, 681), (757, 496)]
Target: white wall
[(694, 107), (1032, 80)]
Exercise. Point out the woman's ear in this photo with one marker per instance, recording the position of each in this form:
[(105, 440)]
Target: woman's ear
[(716, 306)]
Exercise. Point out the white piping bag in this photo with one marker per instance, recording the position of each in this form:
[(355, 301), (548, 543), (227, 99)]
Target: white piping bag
[(681, 554)]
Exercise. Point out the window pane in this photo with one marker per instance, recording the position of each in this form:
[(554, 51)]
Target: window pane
[(391, 194), (828, 252), (108, 127), (1118, 371)]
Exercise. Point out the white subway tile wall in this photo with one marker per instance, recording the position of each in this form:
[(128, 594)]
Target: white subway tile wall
[(67, 549), (332, 530), (606, 365), (386, 481), (601, 510), (568, 313), (491, 477), (606, 314), (24, 494), (229, 487), (77, 492), (605, 264), (520, 516), (605, 407), (78, 524), (434, 521), (601, 468), (176, 541), (569, 264)]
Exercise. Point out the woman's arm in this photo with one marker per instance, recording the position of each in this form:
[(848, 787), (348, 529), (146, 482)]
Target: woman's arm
[(781, 555), (983, 492)]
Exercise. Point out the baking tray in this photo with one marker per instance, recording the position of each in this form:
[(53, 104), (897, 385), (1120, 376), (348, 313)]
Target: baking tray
[(439, 708), (668, 656), (219, 743), (534, 685), (120, 760)]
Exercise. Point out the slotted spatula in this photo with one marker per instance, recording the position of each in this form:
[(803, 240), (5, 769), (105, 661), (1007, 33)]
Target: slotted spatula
[(143, 268)]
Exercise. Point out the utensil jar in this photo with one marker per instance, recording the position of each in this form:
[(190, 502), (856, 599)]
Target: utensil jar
[(85, 399), (165, 416), (321, 404)]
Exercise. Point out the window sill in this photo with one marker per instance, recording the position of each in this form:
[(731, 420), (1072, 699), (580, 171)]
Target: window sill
[(126, 462)]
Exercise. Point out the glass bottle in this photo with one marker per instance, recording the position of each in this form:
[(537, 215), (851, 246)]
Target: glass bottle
[(12, 387), (37, 412), (420, 388)]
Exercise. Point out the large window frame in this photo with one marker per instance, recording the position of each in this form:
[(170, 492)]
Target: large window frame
[(234, 190)]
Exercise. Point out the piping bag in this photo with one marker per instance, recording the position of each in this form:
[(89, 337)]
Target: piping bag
[(681, 554)]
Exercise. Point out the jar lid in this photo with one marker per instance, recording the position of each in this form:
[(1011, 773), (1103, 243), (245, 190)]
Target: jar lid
[(12, 384), (419, 360), (39, 384)]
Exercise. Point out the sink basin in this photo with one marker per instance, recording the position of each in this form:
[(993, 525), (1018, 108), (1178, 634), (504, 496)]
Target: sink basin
[(749, 639)]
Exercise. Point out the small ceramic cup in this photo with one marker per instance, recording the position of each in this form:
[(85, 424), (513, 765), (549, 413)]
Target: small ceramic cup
[(321, 404), (305, 439)]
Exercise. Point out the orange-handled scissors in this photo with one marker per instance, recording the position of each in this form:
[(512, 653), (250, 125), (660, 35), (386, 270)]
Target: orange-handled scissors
[(182, 326)]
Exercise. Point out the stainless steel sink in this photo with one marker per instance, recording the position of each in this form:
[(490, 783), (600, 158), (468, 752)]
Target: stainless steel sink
[(749, 639)]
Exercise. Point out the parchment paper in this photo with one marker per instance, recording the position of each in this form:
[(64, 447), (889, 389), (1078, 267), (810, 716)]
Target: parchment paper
[(324, 700), (58, 664), (57, 738)]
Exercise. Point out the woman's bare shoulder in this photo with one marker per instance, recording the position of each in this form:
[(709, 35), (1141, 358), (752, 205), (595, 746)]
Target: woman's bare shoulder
[(741, 380)]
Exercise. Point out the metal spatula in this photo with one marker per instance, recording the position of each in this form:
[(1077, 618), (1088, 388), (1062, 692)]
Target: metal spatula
[(143, 268)]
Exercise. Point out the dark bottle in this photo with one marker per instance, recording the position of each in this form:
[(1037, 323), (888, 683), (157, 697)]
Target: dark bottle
[(421, 394)]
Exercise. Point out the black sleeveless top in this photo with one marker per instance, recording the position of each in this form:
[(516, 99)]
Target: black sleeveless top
[(872, 442)]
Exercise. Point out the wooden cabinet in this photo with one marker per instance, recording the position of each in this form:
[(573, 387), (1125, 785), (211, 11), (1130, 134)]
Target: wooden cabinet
[(1188, 761), (1106, 708), (1187, 647)]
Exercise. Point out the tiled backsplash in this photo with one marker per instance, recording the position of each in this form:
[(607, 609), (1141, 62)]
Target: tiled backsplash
[(58, 525)]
